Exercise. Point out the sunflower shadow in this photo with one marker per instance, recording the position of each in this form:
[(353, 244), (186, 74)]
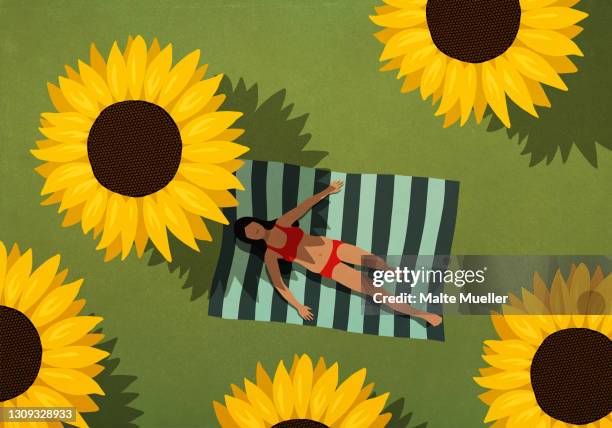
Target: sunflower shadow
[(115, 406), (510, 274), (272, 134), (399, 419), (580, 116)]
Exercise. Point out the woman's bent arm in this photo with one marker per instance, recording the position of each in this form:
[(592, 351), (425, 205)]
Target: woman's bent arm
[(277, 280)]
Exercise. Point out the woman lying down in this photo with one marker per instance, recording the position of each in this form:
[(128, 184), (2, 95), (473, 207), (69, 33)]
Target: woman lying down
[(282, 239)]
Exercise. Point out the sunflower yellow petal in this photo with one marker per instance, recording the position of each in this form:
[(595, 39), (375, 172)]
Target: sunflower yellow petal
[(195, 200), (452, 115), (506, 362), (57, 99), (156, 73), (69, 381), (263, 380), (68, 331), (130, 226), (400, 4), (238, 393), (514, 348), (552, 18), (302, 385), (155, 227), (505, 380), (175, 219), (417, 59), (571, 32), (195, 98), (242, 413), (494, 93), (94, 209), (136, 65), (97, 60), (67, 175), (535, 4), (323, 391), (510, 403), (13, 255), (153, 51), (96, 84), (365, 413), (39, 282), (113, 221), (209, 176), (55, 303), (16, 279), (261, 402), (200, 231), (65, 135), (404, 41), (62, 153), (480, 102), (3, 267), (178, 78), (47, 397), (223, 416), (452, 87), (282, 389), (382, 420), (514, 85), (73, 357), (79, 97), (344, 397), (400, 19), (116, 74), (548, 42), (535, 67), (581, 283), (468, 92), (69, 120), (213, 151), (78, 194), (208, 126), (433, 75)]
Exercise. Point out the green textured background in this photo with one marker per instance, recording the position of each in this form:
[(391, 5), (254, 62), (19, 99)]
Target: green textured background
[(170, 352)]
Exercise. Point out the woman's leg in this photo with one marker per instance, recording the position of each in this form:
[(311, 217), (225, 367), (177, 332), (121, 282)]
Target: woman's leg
[(356, 281), (357, 256)]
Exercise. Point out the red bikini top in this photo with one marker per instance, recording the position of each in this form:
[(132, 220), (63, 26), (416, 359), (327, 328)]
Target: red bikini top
[(294, 236)]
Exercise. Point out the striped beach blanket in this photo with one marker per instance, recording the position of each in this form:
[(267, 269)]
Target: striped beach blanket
[(384, 214)]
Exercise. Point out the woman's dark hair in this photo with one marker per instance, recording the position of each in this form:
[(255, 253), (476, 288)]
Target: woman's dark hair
[(241, 224)]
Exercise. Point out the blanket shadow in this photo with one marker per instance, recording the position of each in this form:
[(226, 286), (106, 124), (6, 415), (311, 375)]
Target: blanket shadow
[(272, 134), (578, 117), (115, 406)]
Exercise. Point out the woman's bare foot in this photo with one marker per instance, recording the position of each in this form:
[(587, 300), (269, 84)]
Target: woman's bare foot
[(433, 319)]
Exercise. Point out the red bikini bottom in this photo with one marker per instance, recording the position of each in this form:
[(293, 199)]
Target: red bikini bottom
[(333, 260)]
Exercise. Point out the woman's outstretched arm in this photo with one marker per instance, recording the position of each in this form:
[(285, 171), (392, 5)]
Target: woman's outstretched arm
[(271, 261), (298, 212)]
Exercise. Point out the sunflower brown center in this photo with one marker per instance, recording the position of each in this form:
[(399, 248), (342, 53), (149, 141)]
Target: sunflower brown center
[(300, 423), (473, 30), (134, 148), (571, 376), (20, 353)]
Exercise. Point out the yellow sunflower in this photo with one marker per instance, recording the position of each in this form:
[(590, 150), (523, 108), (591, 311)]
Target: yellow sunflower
[(472, 53), (47, 350), (137, 147), (303, 397), (551, 367)]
